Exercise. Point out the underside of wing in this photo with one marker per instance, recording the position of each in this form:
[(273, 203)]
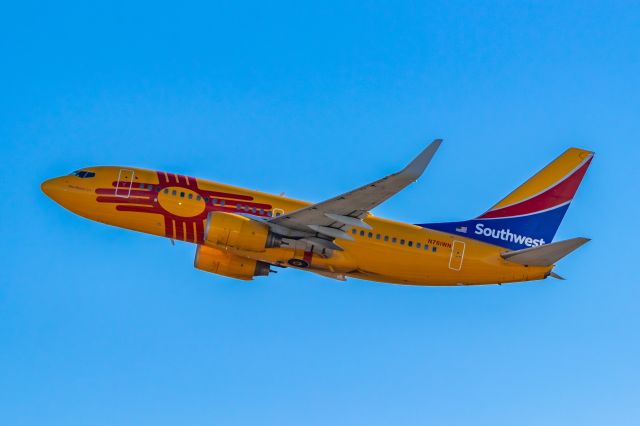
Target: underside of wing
[(327, 220)]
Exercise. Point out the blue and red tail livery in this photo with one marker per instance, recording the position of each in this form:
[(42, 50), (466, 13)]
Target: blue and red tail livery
[(530, 215)]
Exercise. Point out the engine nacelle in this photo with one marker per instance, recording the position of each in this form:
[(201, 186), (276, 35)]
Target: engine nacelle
[(232, 230), (230, 265)]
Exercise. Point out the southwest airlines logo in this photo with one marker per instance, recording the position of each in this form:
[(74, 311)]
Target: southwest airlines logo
[(507, 235)]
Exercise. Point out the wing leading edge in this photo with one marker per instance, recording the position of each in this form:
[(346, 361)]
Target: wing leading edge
[(328, 219)]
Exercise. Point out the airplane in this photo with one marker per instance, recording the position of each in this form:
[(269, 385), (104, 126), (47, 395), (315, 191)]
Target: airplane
[(243, 234)]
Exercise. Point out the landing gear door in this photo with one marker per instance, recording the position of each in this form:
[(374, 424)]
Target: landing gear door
[(457, 255), (123, 185)]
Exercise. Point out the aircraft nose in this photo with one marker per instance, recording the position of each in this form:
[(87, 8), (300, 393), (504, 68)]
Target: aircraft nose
[(51, 187), (47, 186)]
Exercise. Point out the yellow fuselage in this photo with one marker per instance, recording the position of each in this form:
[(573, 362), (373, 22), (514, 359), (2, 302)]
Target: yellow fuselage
[(176, 207)]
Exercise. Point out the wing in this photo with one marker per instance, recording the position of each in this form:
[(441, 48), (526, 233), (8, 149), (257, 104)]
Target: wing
[(328, 219)]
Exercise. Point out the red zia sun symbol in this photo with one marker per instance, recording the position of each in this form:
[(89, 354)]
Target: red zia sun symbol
[(180, 201)]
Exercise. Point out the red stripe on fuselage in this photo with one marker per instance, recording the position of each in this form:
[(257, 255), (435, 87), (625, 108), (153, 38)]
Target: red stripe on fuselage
[(200, 231), (122, 200)]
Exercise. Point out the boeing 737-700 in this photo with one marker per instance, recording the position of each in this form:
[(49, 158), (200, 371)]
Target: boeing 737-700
[(242, 233)]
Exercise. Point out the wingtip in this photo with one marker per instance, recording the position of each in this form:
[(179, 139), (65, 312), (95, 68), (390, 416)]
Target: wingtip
[(415, 169), (435, 143)]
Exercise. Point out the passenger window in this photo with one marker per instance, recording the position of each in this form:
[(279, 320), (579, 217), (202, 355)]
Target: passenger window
[(386, 238), (434, 248), (417, 245), (174, 192), (191, 196), (238, 206), (401, 242), (353, 231), (269, 213), (213, 201), (157, 189), (142, 185), (426, 246), (377, 236), (182, 195), (370, 235), (166, 190), (222, 202), (410, 243), (393, 240), (362, 233), (198, 198), (206, 200)]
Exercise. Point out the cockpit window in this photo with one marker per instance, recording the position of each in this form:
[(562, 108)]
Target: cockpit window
[(83, 174)]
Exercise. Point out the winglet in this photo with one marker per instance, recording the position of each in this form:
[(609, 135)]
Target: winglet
[(544, 255), (415, 169)]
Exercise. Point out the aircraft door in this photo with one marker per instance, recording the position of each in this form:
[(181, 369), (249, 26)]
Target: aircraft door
[(123, 185), (457, 255)]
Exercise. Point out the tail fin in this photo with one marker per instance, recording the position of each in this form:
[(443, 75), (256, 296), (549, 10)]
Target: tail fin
[(530, 215)]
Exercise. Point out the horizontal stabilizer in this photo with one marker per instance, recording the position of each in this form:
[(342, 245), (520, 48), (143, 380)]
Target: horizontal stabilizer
[(545, 255)]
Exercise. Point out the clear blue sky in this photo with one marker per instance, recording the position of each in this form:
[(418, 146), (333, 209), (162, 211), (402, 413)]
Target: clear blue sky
[(101, 326)]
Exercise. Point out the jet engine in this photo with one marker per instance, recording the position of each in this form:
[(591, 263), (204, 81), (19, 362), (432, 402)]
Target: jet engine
[(239, 232), (230, 265)]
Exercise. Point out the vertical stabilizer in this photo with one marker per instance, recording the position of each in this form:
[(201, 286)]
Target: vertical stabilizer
[(531, 214)]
